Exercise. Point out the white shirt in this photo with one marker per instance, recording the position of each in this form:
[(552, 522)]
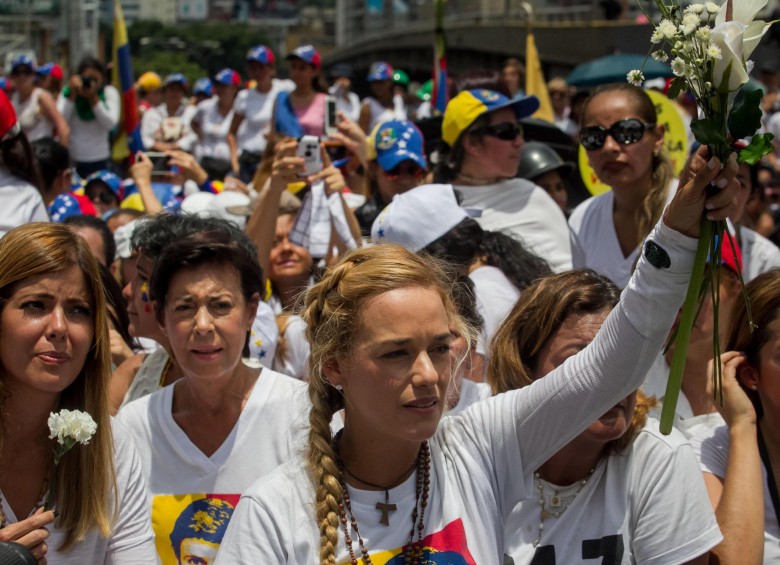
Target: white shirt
[(759, 254), (712, 448), (470, 393), (20, 203), (152, 123), (295, 362), (495, 297), (638, 506), (214, 127), (131, 540), (595, 242), (526, 212), (348, 105), (379, 113), (33, 123), (483, 459), (270, 429), (88, 140), (257, 110)]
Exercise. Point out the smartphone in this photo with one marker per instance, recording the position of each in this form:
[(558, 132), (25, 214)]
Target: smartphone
[(331, 118), (309, 149)]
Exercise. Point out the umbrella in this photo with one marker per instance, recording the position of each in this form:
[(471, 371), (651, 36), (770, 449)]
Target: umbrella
[(614, 68)]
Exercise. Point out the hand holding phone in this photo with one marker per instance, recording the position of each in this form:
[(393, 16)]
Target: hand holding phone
[(331, 116), (309, 150)]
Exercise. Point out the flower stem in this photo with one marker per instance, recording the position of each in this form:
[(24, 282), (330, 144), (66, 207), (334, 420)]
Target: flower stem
[(690, 310)]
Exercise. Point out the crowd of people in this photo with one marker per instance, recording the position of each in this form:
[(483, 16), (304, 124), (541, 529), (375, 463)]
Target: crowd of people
[(308, 335)]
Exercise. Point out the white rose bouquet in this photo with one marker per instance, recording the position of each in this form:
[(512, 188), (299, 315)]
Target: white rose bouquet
[(69, 427), (709, 47)]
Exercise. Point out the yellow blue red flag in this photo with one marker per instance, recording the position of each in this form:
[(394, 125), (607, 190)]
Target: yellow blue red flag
[(128, 139)]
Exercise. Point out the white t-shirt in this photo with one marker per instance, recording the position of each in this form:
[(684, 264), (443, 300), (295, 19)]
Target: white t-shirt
[(470, 393), (131, 541), (526, 212), (296, 350), (264, 336), (713, 451), (88, 140), (495, 297), (759, 255), (348, 105), (482, 460), (20, 203), (257, 109), (595, 244), (637, 507), (154, 122), (32, 121), (214, 127), (380, 113), (180, 477)]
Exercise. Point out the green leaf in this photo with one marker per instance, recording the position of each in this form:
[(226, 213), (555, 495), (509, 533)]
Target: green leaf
[(760, 145), (745, 117), (709, 132), (676, 87)]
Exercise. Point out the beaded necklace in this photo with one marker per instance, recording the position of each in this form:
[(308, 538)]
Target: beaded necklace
[(556, 501), (412, 551)]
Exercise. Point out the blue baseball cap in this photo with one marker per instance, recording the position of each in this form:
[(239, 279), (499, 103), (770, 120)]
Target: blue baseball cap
[(176, 78), (308, 54), (113, 182), (23, 61), (396, 141), (468, 105), (228, 77), (203, 86), (66, 205), (261, 54), (380, 71)]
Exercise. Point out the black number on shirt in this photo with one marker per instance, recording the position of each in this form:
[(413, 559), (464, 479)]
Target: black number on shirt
[(609, 548)]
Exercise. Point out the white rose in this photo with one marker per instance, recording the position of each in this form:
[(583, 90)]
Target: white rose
[(72, 425), (728, 72), (744, 12)]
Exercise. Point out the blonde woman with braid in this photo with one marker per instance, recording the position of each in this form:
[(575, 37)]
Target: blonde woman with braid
[(400, 485), (624, 144)]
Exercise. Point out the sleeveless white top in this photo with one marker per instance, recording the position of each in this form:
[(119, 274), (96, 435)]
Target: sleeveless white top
[(34, 124)]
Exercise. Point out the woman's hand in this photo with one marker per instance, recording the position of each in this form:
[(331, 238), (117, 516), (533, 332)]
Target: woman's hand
[(141, 170), (120, 352), (704, 176), (330, 175), (287, 166), (31, 533), (736, 407), (353, 138), (188, 166)]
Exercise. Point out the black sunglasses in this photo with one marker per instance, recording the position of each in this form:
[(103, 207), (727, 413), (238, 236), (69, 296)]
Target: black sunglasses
[(625, 132), (505, 131), (105, 196)]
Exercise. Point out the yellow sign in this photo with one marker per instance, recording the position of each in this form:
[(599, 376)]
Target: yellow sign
[(675, 141)]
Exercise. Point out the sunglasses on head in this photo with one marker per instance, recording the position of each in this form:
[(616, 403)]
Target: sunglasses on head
[(505, 131), (625, 132), (407, 169)]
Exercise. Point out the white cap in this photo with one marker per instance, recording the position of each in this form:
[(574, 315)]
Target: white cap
[(123, 235), (227, 205), (418, 217)]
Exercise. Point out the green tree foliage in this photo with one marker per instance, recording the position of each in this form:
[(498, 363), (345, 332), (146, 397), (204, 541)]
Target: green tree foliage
[(197, 49)]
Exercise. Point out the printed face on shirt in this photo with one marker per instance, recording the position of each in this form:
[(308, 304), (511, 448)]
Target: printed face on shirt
[(206, 320), (575, 333), (395, 381), (289, 263), (621, 166), (46, 332)]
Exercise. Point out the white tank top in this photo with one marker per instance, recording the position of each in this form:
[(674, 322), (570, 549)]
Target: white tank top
[(381, 114), (34, 125)]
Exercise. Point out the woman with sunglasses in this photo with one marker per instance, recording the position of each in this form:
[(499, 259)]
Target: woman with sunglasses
[(395, 163), (35, 106), (480, 158), (625, 148)]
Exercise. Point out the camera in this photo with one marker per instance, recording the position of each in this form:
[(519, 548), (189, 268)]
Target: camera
[(87, 82), (331, 116), (309, 149)]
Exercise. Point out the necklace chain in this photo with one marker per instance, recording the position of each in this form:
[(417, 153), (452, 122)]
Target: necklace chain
[(556, 501), (412, 551)]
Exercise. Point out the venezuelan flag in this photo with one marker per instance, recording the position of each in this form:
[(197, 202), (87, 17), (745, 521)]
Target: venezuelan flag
[(128, 140), (440, 90)]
